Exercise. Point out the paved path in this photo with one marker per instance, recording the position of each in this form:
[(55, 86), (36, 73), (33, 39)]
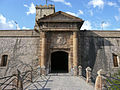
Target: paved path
[(60, 82)]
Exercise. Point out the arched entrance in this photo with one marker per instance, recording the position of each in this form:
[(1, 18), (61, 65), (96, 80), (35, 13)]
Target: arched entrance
[(59, 62)]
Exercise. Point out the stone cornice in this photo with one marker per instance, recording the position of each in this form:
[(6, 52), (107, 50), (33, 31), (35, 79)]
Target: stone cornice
[(59, 29), (99, 33), (65, 21), (18, 33), (82, 33)]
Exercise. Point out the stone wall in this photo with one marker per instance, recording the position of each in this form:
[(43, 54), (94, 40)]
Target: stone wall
[(28, 33), (96, 50), (44, 10), (21, 48), (59, 41)]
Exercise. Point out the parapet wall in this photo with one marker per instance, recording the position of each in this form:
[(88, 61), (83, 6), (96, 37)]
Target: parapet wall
[(45, 6), (13, 33), (100, 33), (84, 33)]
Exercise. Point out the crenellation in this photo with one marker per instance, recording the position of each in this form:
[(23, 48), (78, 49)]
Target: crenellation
[(45, 6)]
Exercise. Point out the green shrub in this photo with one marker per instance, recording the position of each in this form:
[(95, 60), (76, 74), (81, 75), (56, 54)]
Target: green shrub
[(112, 81)]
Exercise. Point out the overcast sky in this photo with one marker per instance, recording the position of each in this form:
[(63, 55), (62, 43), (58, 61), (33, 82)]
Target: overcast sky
[(97, 14)]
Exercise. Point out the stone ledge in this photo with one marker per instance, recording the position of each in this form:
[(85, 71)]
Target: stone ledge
[(45, 6), (102, 34), (20, 33)]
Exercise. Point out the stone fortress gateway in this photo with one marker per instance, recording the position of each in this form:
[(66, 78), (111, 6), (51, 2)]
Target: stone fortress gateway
[(57, 44), (59, 40)]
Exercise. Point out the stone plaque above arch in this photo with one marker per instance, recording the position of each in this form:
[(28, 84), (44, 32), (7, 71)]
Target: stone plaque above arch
[(60, 40)]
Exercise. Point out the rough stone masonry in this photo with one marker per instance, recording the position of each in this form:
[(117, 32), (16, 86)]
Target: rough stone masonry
[(55, 34)]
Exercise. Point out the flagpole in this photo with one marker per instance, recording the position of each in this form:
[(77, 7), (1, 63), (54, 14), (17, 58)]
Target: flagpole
[(46, 2)]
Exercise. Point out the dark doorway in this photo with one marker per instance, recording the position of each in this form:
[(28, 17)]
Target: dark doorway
[(59, 62)]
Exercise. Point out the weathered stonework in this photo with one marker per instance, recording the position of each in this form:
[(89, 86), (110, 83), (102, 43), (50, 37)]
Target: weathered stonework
[(59, 32), (21, 49), (96, 50), (55, 44), (42, 11)]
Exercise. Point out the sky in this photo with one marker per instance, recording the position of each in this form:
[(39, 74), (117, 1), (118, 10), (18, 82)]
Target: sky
[(97, 14)]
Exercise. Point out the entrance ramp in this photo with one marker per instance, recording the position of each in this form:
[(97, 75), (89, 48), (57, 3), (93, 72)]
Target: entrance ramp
[(60, 81)]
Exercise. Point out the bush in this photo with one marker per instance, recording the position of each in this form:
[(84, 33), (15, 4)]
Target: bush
[(114, 81)]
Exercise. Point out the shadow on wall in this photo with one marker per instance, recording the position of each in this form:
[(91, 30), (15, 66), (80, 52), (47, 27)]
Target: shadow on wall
[(92, 52), (18, 50)]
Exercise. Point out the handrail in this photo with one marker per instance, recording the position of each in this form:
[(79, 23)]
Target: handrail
[(107, 81), (6, 80), (7, 76), (113, 78), (9, 83), (114, 83), (20, 77), (110, 83)]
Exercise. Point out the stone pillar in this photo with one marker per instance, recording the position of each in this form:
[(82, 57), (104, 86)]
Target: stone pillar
[(100, 82), (88, 74), (80, 70), (75, 52), (70, 64), (43, 49)]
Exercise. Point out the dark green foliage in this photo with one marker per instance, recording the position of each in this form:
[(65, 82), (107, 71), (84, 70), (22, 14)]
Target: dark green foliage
[(114, 81)]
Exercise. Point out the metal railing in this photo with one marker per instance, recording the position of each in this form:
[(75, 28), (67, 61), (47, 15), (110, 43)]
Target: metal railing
[(112, 83), (102, 80), (16, 81)]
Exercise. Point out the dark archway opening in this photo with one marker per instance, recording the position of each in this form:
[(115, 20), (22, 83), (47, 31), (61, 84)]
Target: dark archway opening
[(59, 62)]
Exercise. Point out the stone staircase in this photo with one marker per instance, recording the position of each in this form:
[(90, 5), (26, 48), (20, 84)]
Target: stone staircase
[(59, 81)]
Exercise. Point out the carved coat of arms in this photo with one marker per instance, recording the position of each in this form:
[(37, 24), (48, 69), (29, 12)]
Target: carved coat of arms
[(60, 40)]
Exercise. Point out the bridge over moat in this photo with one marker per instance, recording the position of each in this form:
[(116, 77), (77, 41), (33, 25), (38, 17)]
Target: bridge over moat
[(34, 80), (60, 81)]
